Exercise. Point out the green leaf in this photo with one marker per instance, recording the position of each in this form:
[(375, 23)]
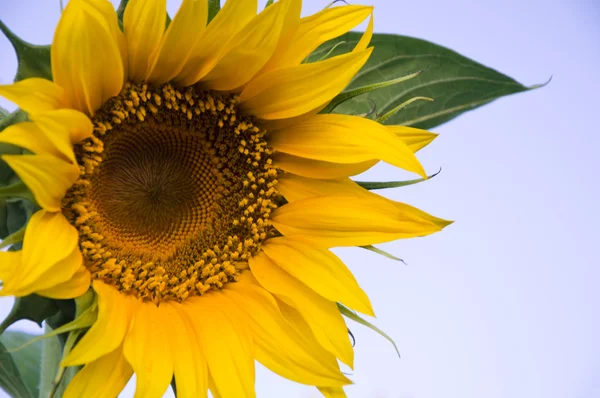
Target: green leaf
[(456, 83), (10, 376), (214, 6), (17, 190), (26, 359), (33, 60), (33, 308), (356, 318), (372, 185)]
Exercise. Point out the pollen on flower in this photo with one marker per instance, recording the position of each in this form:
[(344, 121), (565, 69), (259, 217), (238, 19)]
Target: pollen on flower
[(175, 192)]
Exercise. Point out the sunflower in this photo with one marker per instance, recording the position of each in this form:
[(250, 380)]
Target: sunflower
[(186, 176)]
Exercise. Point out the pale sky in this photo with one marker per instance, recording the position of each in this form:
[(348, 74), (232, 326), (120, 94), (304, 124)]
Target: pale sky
[(503, 303)]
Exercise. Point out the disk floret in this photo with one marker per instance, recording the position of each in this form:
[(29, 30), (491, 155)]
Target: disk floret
[(175, 192)]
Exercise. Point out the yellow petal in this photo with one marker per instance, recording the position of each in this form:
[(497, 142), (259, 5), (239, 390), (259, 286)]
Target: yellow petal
[(318, 169), (416, 139), (144, 24), (294, 188), (332, 392), (251, 47), (191, 373), (47, 176), (316, 30), (77, 124), (50, 255), (115, 311), (9, 262), (148, 350), (189, 23), (103, 378), (279, 346), (234, 15), (365, 39), (344, 139), (29, 136), (320, 270), (74, 287), (322, 316), (34, 95), (228, 347), (88, 29), (282, 93), (351, 221)]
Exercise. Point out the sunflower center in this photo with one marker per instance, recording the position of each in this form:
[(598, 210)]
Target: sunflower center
[(175, 192)]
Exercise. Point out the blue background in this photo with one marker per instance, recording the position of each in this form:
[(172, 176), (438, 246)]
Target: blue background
[(503, 303)]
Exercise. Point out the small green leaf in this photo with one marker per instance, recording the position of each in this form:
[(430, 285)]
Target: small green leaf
[(27, 359), (381, 252), (356, 318), (33, 60), (214, 6), (371, 185), (458, 84), (33, 308), (11, 380)]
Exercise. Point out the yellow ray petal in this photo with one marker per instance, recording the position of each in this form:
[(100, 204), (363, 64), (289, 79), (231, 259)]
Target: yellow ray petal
[(34, 95), (416, 139), (294, 187), (144, 24), (234, 15), (189, 23), (279, 346), (74, 287), (50, 255), (191, 373), (47, 176), (316, 30), (103, 378), (229, 350), (148, 350), (320, 270), (77, 124), (321, 315), (90, 30), (365, 39), (29, 136), (283, 93), (345, 139), (318, 169), (332, 392), (251, 47), (351, 221), (115, 311)]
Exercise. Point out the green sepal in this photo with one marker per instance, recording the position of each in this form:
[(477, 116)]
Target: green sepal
[(214, 6), (33, 60), (16, 190), (356, 318), (121, 11), (372, 185), (269, 2), (381, 252), (19, 374), (33, 308), (383, 118), (349, 94)]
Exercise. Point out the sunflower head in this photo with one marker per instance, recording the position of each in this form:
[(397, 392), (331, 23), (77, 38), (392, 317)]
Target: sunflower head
[(188, 177)]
